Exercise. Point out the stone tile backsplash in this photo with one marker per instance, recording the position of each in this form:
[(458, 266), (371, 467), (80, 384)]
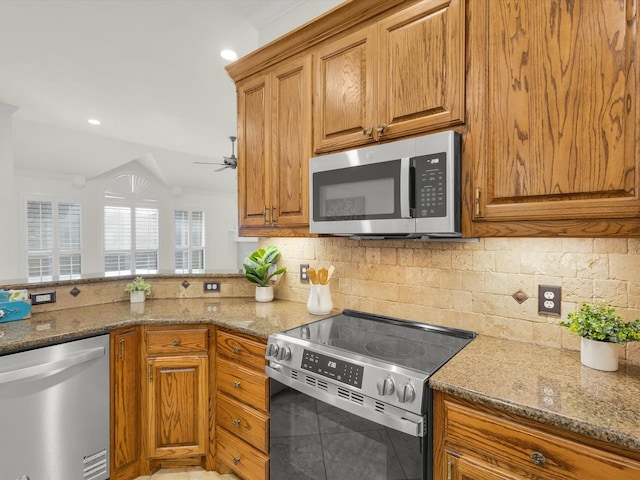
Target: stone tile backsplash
[(470, 285)]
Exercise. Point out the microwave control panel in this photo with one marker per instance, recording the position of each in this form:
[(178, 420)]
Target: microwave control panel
[(430, 174)]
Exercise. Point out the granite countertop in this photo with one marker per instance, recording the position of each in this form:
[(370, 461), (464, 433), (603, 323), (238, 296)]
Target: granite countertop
[(541, 383), (547, 385), (241, 314)]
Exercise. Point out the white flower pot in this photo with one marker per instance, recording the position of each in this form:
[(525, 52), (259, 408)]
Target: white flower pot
[(599, 355), (264, 294), (137, 297)]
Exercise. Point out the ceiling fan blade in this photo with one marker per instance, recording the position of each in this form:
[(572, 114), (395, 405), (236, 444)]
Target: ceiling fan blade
[(220, 169), (209, 163)]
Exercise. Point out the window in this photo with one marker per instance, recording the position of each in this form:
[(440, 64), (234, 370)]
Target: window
[(125, 227), (189, 241), (53, 240)]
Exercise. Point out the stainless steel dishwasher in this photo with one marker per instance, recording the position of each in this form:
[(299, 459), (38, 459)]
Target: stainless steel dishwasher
[(54, 412)]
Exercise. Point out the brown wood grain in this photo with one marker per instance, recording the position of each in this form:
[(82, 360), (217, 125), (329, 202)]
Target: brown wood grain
[(246, 423), (248, 386), (241, 458), (242, 350), (478, 442), (125, 404), (554, 135)]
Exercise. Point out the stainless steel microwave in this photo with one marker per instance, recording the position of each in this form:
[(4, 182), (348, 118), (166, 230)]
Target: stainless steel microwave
[(404, 189)]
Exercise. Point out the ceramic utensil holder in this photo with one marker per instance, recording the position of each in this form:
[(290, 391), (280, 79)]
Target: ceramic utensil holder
[(319, 302)]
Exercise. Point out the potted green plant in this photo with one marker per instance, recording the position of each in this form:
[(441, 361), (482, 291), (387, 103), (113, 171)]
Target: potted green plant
[(138, 290), (602, 331), (260, 267)]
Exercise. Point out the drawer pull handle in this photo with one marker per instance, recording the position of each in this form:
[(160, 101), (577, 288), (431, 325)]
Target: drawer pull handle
[(236, 384), (236, 460), (176, 342), (236, 423), (538, 459), (236, 350)]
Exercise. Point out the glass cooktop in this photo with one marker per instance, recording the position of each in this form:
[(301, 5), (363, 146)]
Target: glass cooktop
[(414, 345)]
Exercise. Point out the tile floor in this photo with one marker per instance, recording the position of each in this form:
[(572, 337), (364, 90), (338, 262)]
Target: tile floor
[(191, 473)]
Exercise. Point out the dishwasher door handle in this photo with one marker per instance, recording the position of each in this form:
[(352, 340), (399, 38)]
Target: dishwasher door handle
[(50, 368)]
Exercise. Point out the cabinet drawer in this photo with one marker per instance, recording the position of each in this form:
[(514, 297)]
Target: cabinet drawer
[(176, 341), (248, 424), (240, 349), (530, 452), (243, 459), (247, 386)]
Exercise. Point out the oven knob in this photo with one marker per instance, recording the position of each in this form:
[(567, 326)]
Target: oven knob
[(272, 351), (385, 386), (406, 393), (284, 353)]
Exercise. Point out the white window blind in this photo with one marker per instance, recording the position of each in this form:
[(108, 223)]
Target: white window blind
[(189, 241), (53, 240), (131, 234)]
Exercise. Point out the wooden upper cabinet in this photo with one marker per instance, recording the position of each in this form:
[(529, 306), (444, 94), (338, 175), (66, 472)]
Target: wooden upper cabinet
[(254, 119), (399, 76), (344, 103), (274, 135), (553, 136), (421, 68)]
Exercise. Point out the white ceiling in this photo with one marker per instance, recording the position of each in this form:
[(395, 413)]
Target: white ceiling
[(150, 70)]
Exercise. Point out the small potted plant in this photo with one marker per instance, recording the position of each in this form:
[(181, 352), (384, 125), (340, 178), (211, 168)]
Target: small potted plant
[(260, 267), (138, 290), (602, 330)]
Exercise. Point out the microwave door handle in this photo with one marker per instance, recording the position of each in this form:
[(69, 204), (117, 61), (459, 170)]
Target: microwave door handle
[(404, 188)]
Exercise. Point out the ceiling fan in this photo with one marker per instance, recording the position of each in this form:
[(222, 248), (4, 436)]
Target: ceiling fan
[(229, 162)]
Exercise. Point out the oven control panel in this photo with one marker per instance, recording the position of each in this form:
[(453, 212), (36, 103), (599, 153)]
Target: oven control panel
[(332, 368)]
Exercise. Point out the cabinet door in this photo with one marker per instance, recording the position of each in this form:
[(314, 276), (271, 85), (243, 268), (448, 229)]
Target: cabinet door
[(125, 404), (291, 142), (555, 132), (254, 120), (421, 68), (178, 406), (345, 103)]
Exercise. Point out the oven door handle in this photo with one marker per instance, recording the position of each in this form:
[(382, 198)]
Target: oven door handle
[(412, 424), (405, 188)]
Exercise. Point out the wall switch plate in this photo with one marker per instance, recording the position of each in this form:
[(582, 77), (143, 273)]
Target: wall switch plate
[(211, 287), (304, 278), (42, 298), (548, 300)]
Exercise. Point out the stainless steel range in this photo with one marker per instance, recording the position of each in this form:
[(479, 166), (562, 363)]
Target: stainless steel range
[(363, 365)]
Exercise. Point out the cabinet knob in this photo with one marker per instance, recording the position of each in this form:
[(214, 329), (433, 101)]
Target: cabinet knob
[(175, 342), (236, 423), (368, 132), (236, 460), (236, 384), (381, 129), (538, 459), (236, 350)]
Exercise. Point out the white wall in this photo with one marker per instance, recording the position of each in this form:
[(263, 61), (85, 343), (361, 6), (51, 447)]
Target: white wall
[(220, 212)]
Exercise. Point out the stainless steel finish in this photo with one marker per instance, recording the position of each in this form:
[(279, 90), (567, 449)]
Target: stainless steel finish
[(236, 350), (54, 412), (404, 187), (385, 386), (440, 227), (375, 369), (406, 393), (176, 342), (387, 415)]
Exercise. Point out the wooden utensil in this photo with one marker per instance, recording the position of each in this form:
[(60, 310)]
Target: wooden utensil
[(323, 276), (313, 277), (331, 270)]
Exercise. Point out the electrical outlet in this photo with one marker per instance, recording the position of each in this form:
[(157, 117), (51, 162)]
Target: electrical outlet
[(304, 277), (548, 300), (42, 298), (211, 287)]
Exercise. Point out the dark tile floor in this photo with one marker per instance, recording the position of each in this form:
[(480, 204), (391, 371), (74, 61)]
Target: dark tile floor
[(311, 440)]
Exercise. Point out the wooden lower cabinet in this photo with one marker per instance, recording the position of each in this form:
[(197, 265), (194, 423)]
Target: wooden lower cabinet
[(242, 406), (125, 404), (177, 400), (473, 442)]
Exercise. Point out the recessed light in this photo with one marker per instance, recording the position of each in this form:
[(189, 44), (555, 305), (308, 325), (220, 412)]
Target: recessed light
[(229, 55), (94, 121)]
